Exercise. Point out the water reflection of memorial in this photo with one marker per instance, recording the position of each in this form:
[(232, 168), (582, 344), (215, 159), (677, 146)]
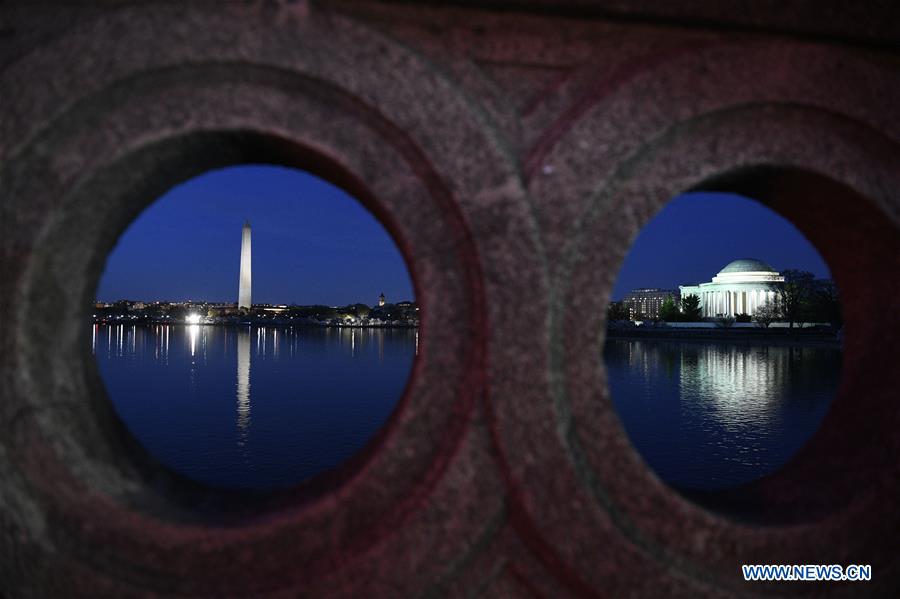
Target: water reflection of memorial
[(737, 386), (711, 415)]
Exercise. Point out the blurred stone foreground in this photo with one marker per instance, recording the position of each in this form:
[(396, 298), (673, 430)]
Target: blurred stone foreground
[(514, 150)]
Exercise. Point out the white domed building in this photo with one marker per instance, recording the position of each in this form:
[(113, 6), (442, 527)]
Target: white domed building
[(739, 288)]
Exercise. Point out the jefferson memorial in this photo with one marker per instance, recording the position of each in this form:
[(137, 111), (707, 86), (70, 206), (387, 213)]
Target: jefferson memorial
[(739, 288)]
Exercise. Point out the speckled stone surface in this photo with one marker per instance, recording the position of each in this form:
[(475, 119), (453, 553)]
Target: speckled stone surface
[(514, 153)]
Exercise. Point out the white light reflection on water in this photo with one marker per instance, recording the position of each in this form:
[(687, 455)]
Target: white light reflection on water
[(193, 333)]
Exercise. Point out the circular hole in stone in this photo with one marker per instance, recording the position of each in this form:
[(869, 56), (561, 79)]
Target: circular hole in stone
[(714, 384), (255, 327)]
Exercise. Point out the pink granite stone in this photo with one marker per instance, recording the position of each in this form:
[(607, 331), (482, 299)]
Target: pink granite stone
[(514, 152)]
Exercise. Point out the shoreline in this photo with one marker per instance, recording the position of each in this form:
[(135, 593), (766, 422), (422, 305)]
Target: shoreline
[(736, 337)]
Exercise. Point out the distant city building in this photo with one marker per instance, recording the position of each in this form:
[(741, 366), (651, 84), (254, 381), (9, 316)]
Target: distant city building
[(647, 302), (276, 309), (739, 288), (244, 300), (381, 300)]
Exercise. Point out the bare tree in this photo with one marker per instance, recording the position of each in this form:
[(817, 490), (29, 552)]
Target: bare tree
[(766, 314), (825, 303), (794, 293)]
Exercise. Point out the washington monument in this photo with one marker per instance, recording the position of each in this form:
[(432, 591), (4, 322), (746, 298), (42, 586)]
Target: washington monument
[(244, 289)]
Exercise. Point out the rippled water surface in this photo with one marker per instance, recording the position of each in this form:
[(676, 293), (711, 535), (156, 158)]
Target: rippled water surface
[(253, 407), (711, 416)]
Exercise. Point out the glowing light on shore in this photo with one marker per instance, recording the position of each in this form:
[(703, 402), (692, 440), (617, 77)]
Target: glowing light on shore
[(192, 319)]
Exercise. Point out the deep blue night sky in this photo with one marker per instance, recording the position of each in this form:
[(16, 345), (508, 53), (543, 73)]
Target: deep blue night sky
[(315, 244), (312, 244), (697, 234)]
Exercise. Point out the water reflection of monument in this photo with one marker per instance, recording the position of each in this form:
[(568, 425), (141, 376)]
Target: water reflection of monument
[(243, 385), (739, 386)]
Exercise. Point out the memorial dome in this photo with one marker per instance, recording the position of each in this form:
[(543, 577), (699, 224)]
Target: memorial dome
[(740, 288), (747, 265)]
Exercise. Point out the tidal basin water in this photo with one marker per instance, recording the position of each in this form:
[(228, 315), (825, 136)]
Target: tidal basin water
[(708, 416), (253, 407)]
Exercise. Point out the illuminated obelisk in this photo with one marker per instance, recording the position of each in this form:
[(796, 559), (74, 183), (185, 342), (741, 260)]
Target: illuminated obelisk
[(244, 289)]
